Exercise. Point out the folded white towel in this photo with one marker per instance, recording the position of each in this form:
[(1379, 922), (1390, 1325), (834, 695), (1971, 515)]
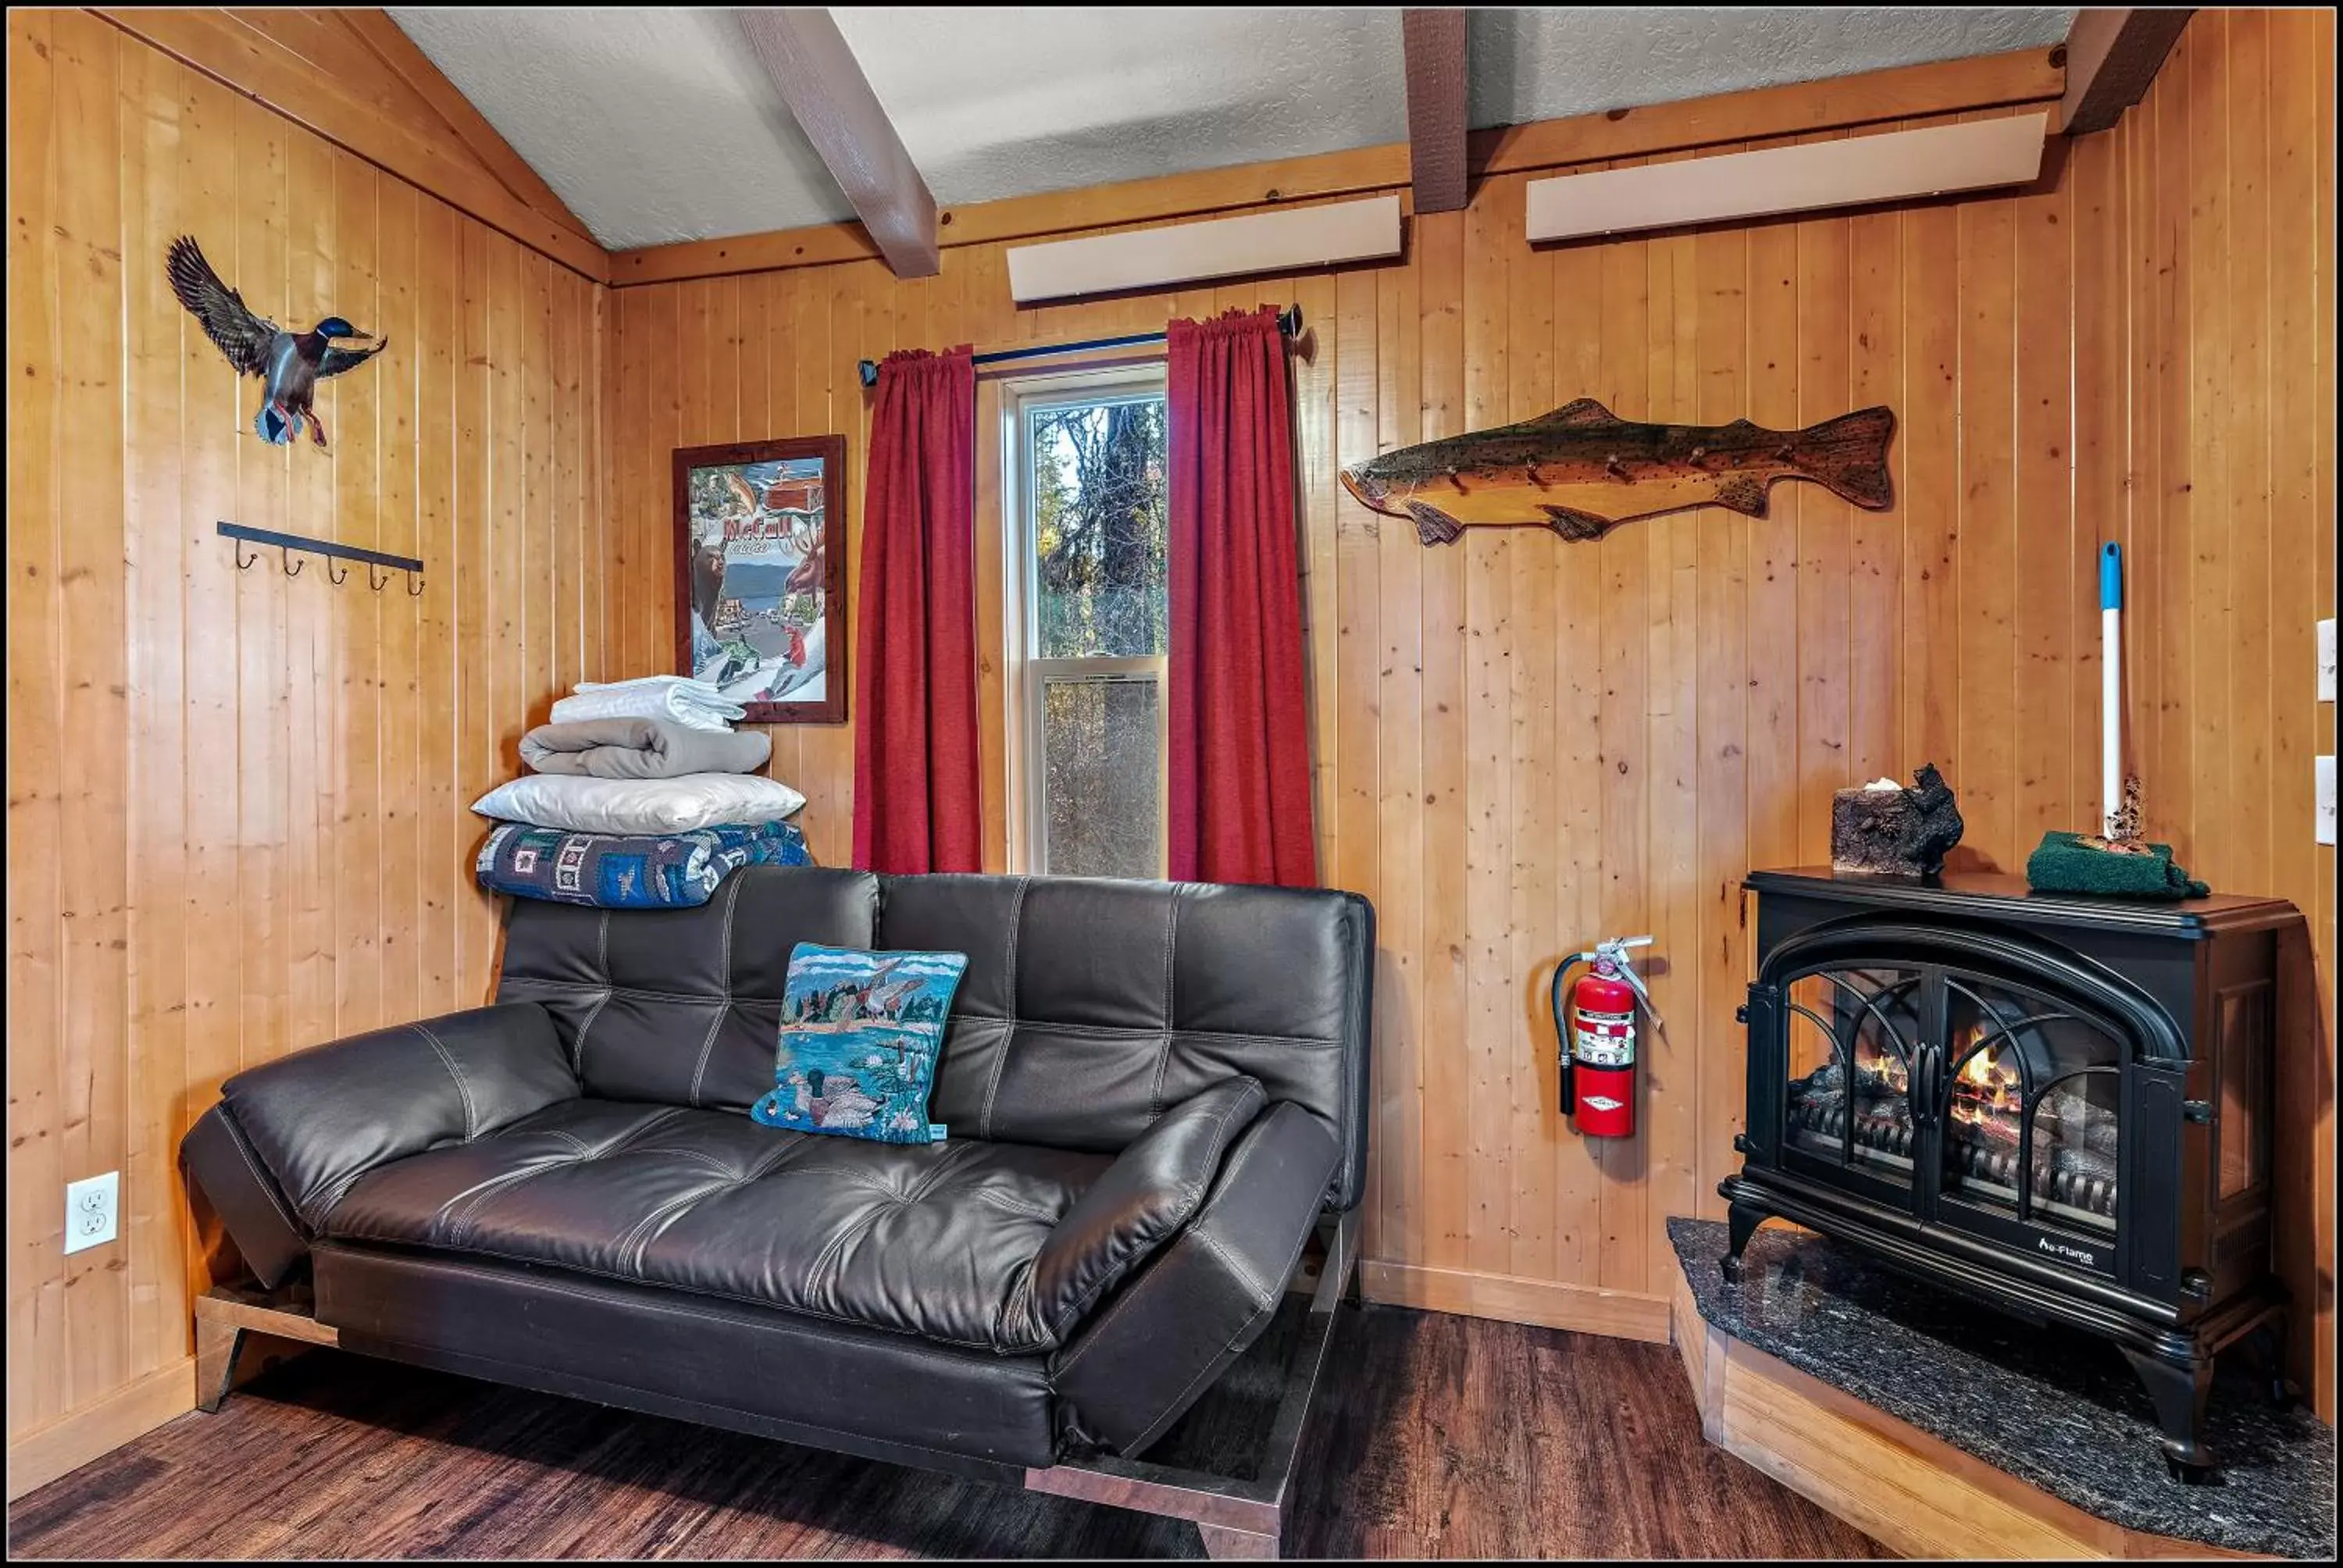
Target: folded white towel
[(692, 684), (657, 700)]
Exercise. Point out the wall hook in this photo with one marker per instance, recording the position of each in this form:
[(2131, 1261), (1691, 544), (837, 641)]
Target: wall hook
[(413, 586), (378, 586), (292, 563), (241, 564), (335, 578)]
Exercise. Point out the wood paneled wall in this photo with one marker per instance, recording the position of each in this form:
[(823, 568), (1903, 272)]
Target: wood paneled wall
[(236, 800), (1523, 745), (2206, 258)]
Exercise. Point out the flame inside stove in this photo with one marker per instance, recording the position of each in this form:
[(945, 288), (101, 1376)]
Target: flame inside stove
[(1987, 1085), (1883, 1068)]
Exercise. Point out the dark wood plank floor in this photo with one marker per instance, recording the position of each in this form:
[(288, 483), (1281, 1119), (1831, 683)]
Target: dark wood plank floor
[(1436, 1436)]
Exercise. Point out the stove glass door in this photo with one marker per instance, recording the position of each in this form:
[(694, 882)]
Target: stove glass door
[(2028, 1100), (1853, 1034)]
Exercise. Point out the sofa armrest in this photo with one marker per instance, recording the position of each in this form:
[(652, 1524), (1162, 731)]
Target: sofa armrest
[(1200, 1301), (1137, 1203), (320, 1119)]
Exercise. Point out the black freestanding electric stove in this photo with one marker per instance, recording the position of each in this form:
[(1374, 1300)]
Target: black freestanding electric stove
[(2059, 1106)]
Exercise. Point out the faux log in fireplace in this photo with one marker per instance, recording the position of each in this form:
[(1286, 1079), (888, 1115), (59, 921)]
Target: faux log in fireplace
[(2058, 1106)]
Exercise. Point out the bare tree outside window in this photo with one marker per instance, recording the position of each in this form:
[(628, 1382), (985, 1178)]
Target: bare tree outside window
[(1095, 526)]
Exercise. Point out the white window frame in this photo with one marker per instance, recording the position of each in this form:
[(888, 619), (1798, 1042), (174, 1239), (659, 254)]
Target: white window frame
[(1026, 670)]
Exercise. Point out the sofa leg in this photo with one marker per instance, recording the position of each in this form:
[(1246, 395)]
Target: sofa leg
[(217, 1345), (1222, 1544)]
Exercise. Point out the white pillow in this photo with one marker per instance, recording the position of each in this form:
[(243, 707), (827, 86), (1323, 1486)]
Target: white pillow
[(575, 804)]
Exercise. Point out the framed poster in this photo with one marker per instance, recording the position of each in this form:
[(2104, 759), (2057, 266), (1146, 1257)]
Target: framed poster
[(760, 575)]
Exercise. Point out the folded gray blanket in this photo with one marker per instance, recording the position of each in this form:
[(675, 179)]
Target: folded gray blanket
[(641, 749)]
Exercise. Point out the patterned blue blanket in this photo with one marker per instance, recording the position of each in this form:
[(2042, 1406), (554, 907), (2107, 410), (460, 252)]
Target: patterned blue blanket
[(617, 871)]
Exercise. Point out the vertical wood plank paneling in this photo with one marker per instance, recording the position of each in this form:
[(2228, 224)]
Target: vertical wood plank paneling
[(36, 779), (442, 832), (397, 715), (2049, 667), (1357, 599), (1553, 1208), (1443, 936), (1489, 1026), (248, 837), (90, 678), (1720, 262), (1671, 1107), (1399, 787), (154, 570), (259, 238), (1623, 617)]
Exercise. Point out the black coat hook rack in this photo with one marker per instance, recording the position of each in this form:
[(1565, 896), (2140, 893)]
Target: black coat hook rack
[(290, 543)]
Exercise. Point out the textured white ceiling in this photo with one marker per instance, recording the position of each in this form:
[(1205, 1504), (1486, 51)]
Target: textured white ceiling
[(659, 125)]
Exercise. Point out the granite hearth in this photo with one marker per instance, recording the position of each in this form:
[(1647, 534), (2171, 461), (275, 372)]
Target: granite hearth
[(2052, 1409)]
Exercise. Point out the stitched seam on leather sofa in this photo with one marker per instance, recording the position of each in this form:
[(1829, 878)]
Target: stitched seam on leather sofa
[(457, 1210), (472, 1197), (648, 1229), (1191, 1195), (540, 1282), (835, 1248), (1164, 1051), (471, 1115), (732, 1181), (716, 1024), (1008, 1035), (572, 988), (1002, 1200), (267, 1183), (1348, 1135), (602, 964)]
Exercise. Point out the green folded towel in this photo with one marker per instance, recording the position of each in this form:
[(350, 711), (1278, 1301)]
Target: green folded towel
[(2064, 864)]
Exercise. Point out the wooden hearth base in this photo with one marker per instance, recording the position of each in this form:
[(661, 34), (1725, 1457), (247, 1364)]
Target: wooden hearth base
[(1913, 1493)]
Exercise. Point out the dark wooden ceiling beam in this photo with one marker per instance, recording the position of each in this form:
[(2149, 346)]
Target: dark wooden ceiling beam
[(825, 89), (1434, 42), (2111, 58)]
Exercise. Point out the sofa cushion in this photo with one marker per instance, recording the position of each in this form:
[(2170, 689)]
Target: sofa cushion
[(1092, 1006), (681, 1006), (935, 1240)]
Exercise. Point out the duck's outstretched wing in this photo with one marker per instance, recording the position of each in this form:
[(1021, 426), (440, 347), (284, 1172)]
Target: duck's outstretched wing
[(243, 336), (336, 359)]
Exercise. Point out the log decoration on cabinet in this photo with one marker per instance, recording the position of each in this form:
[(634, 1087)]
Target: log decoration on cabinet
[(1581, 470), (288, 364)]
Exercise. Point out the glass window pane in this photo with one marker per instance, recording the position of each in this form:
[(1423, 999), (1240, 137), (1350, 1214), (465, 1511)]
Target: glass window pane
[(1100, 766), (1853, 1034), (1100, 516), (2012, 1060)]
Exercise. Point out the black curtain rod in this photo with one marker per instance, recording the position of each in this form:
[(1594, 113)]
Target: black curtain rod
[(1289, 322)]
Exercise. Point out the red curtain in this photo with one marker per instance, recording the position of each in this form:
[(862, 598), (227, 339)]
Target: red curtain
[(1239, 791), (916, 805)]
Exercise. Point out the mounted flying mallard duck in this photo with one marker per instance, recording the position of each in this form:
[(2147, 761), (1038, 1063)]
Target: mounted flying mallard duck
[(287, 363)]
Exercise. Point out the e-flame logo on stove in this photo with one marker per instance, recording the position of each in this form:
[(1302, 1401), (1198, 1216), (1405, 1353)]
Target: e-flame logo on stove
[(2082, 1255)]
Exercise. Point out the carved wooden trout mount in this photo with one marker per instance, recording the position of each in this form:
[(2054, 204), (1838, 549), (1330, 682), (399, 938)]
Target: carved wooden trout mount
[(1581, 469)]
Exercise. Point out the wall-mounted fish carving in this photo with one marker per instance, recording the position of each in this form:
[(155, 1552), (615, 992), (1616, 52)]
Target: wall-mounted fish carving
[(1581, 469)]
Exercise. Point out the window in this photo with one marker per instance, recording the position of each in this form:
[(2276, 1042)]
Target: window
[(1088, 622)]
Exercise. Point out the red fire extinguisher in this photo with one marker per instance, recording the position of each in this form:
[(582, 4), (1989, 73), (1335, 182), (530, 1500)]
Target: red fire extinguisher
[(1596, 1036)]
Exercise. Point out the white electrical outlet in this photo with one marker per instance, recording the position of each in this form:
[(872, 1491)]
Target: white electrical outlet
[(2327, 659), (90, 1209), (2327, 799)]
